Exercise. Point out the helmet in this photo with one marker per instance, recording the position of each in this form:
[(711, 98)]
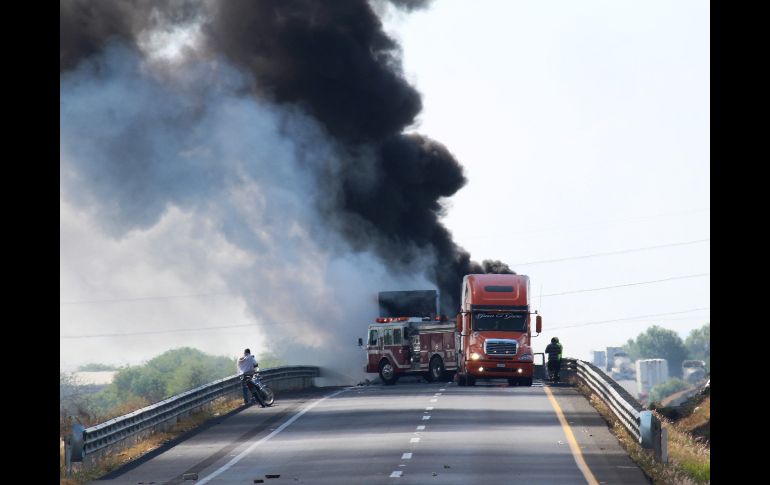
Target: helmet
[(555, 340)]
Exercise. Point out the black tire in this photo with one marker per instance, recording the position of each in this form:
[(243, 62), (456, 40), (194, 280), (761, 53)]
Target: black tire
[(268, 397), (461, 380), (513, 381), (387, 373), (471, 381), (527, 381), (435, 369)]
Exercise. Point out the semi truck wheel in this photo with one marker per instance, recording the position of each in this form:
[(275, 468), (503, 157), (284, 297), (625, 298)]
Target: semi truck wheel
[(387, 373)]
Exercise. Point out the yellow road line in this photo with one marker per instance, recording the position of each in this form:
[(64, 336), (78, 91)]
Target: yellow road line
[(576, 453)]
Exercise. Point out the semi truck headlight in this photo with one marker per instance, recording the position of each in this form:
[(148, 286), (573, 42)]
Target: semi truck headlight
[(518, 370), (525, 358), (475, 356), (481, 369)]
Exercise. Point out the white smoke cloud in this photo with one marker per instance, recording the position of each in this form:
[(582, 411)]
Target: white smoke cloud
[(179, 185)]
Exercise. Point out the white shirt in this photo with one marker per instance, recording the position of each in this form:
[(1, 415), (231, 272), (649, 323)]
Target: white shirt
[(246, 364)]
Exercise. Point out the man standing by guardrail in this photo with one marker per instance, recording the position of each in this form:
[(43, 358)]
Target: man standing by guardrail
[(554, 350)]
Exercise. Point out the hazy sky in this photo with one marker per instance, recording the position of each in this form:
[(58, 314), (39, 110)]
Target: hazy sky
[(583, 129)]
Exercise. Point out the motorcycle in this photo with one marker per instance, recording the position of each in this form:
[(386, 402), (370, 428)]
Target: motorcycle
[(255, 385)]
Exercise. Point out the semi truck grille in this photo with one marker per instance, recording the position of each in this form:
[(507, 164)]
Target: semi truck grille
[(500, 347)]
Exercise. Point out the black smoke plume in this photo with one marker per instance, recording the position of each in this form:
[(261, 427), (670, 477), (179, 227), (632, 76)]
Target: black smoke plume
[(334, 61)]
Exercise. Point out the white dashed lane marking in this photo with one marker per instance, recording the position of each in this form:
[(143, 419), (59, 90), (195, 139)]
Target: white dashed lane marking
[(408, 456)]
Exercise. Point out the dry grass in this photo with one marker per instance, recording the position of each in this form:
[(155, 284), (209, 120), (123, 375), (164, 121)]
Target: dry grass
[(688, 458), (688, 450), (115, 460)]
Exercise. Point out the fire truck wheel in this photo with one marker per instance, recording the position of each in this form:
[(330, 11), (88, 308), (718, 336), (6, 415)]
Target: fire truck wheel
[(513, 381), (461, 380), (527, 381), (436, 369), (471, 381), (387, 373)]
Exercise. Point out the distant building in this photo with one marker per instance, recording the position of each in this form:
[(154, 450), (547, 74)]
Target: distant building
[(598, 358)]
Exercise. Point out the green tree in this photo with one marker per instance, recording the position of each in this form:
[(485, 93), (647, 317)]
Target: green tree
[(94, 367), (169, 373), (268, 360), (665, 389), (73, 403), (659, 343), (698, 344)]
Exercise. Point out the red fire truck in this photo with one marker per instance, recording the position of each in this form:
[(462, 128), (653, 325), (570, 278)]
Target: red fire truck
[(410, 337)]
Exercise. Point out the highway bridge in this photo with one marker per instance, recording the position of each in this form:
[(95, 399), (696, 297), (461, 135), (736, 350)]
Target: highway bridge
[(410, 433)]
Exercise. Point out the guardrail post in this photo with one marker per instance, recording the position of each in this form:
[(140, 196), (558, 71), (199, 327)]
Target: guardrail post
[(67, 456), (75, 444), (663, 456), (653, 436)]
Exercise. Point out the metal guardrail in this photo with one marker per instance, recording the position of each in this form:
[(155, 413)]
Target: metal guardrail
[(101, 436), (642, 424), (620, 402)]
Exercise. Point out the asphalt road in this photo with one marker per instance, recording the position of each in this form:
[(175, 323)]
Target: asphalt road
[(410, 433)]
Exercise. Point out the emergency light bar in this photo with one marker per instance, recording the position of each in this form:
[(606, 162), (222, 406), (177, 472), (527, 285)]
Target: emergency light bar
[(404, 319)]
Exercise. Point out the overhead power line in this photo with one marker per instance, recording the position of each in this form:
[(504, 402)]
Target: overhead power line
[(628, 318), (629, 284), (611, 253)]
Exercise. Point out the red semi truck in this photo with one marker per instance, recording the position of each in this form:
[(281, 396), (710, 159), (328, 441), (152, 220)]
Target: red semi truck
[(494, 329), (490, 339)]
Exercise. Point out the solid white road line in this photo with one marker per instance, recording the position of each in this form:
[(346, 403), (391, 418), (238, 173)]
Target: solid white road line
[(406, 456), (396, 474), (240, 456)]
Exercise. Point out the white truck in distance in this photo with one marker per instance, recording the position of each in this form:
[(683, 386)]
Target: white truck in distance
[(650, 373)]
